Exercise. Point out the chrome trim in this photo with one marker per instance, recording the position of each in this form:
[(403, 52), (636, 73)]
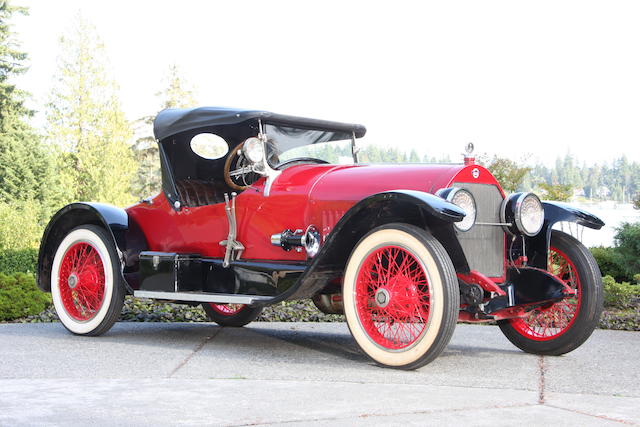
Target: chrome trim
[(516, 200), (311, 241), (234, 248), (201, 297), (483, 246), (271, 177), (518, 214), (354, 150), (276, 239), (449, 193)]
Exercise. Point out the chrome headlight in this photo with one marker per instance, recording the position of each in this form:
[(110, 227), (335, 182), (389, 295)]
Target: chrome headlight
[(253, 149), (464, 200), (524, 212)]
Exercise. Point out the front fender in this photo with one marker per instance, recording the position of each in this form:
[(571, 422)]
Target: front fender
[(554, 212), (111, 218), (408, 206)]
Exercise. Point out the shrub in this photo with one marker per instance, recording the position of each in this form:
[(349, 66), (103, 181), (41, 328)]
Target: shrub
[(619, 295), (609, 262), (20, 297), (18, 261), (19, 225), (627, 241)]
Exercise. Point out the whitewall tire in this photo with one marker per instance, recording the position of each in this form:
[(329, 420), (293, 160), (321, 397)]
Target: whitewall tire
[(86, 286), (401, 296)]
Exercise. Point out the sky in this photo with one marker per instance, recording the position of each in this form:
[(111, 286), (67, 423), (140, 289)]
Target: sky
[(525, 80)]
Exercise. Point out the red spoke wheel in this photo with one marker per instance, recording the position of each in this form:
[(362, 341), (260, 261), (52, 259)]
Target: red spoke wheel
[(563, 326), (401, 296), (81, 281), (85, 281), (231, 314)]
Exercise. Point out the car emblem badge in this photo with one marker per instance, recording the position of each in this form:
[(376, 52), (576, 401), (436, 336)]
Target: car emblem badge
[(475, 173)]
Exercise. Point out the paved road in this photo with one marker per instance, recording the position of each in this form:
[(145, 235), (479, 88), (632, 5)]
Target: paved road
[(304, 374)]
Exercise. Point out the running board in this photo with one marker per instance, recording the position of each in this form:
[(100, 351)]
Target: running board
[(202, 297)]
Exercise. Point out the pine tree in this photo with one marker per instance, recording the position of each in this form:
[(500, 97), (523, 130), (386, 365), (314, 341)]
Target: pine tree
[(176, 94), (25, 164), (86, 122)]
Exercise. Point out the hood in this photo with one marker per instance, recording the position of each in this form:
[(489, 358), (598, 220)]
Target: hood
[(353, 183)]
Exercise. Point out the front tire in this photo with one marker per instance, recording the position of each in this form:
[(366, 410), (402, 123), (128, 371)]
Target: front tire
[(236, 315), (401, 296), (564, 326), (86, 286)]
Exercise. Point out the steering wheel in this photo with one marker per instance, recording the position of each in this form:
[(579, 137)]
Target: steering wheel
[(292, 162), (238, 171)]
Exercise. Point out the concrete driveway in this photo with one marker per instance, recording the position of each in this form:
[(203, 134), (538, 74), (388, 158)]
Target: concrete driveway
[(304, 374)]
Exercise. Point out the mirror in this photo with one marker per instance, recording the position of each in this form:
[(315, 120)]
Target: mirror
[(209, 146)]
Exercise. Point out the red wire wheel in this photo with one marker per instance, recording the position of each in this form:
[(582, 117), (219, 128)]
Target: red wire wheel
[(227, 309), (563, 326), (86, 281), (548, 323), (393, 297), (231, 314), (82, 281), (401, 296)]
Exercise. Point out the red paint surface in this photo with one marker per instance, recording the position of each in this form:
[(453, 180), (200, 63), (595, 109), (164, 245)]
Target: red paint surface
[(300, 196)]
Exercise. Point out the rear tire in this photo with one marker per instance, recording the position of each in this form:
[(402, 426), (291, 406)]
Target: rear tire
[(401, 296), (236, 315), (565, 325), (86, 283)]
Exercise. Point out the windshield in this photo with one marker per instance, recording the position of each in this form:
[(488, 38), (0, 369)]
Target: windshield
[(287, 143)]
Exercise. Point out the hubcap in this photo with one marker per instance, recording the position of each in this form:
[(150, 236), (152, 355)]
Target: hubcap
[(382, 298), (72, 281)]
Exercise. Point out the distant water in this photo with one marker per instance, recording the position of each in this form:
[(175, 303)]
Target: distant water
[(612, 213)]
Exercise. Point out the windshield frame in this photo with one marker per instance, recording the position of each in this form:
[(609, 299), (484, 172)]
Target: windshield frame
[(280, 138)]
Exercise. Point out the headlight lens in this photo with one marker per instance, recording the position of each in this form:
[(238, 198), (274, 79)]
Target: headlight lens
[(524, 212), (253, 149), (464, 200), (529, 214)]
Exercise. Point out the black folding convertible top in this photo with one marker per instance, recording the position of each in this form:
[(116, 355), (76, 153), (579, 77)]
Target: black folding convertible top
[(176, 120)]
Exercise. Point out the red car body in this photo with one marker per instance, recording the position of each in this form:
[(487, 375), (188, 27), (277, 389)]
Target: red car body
[(302, 195), (402, 250)]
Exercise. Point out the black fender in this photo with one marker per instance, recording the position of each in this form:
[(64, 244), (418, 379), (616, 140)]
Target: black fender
[(408, 206), (554, 212), (113, 219)]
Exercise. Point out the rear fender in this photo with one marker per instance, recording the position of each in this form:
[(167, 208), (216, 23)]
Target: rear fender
[(554, 212), (114, 220)]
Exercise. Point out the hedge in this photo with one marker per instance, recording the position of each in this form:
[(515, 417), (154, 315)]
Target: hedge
[(18, 261), (620, 295), (20, 297)]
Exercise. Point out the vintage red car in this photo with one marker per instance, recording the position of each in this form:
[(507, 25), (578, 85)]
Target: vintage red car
[(251, 213)]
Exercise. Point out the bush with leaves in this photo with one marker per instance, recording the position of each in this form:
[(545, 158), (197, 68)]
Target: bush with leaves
[(627, 241), (19, 225), (18, 261), (619, 295), (609, 262), (20, 297)]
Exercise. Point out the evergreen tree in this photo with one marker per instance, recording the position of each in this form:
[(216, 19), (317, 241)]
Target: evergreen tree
[(25, 164), (413, 157), (87, 124), (176, 94)]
